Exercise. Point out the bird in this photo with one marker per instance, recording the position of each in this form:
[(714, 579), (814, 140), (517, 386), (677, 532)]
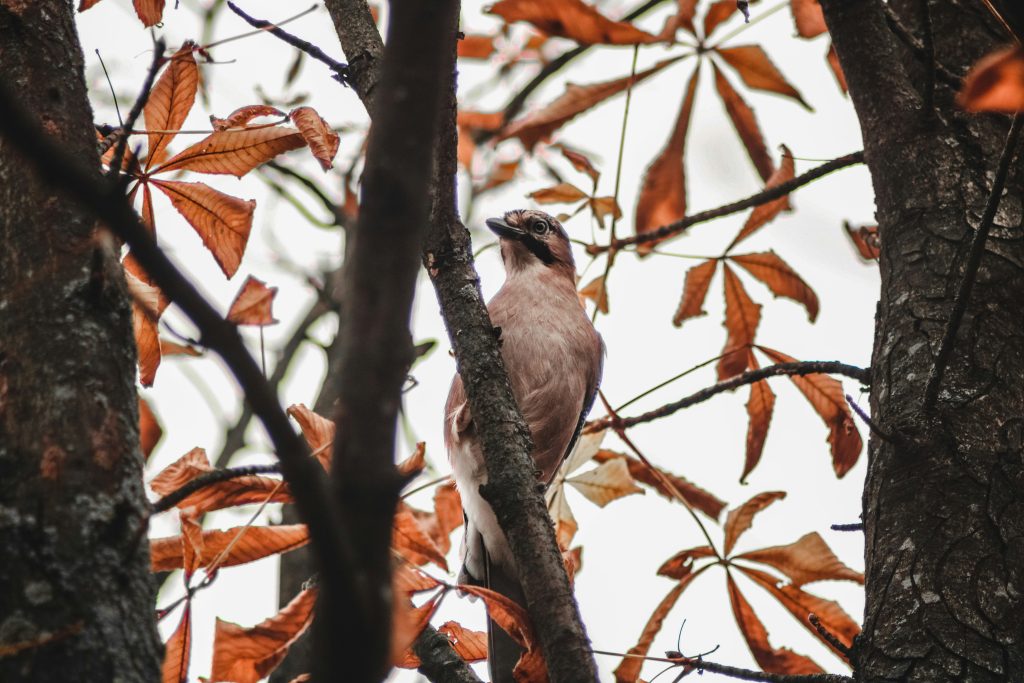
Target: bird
[(554, 357)]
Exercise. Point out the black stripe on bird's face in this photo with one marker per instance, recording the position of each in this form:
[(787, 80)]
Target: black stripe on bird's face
[(531, 229)]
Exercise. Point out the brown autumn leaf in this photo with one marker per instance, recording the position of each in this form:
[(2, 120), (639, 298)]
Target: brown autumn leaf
[(256, 542), (149, 429), (317, 430), (802, 604), (173, 348), (222, 221), (806, 560), (565, 522), (782, 280), (717, 13), (170, 101), (702, 500), (181, 471), (410, 540), (572, 19), (770, 659), (695, 291), (407, 623), (476, 46), (751, 62), (580, 162), (742, 317), (234, 152), (447, 515), (662, 198), (995, 83), (506, 613), (607, 482), (241, 117), (760, 406), (740, 519), (252, 304), (228, 493), (541, 124), (628, 670), (148, 304), (500, 173), (407, 580), (468, 644), (808, 17), (177, 649), (680, 565), (148, 218), (686, 10), (745, 123), (563, 193), (480, 120), (321, 139), (603, 207), (765, 213), (531, 668), (866, 239), (245, 655), (150, 12), (415, 463), (826, 396), (191, 542), (833, 62), (596, 292)]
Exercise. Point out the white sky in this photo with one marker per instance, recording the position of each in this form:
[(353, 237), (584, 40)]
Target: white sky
[(625, 542)]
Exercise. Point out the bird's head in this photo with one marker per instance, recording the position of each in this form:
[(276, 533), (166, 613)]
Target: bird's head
[(532, 238)]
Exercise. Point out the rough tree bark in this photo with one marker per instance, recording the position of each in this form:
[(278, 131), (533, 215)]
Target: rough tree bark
[(75, 590), (944, 497)]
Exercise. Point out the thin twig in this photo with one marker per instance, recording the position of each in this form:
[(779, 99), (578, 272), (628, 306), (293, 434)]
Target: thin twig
[(963, 293), (853, 526), (209, 479), (796, 368), (878, 431), (743, 674), (829, 637), (114, 170), (766, 195)]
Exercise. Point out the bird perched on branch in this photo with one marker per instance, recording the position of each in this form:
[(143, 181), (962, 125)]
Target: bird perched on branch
[(553, 356)]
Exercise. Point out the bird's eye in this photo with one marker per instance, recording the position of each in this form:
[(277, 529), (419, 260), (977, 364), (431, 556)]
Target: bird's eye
[(540, 226)]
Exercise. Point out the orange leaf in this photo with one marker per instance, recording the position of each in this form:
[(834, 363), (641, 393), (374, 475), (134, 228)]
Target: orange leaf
[(476, 46), (149, 429), (563, 193), (695, 291), (468, 644), (572, 19), (412, 541), (407, 579), (86, 4), (447, 515), (602, 207), (596, 292), (506, 613), (609, 481), (759, 409), (177, 649), (757, 70), (742, 317), (170, 101), (173, 348), (778, 661), (150, 12), (245, 655), (808, 17), (580, 162), (802, 604), (662, 197), (222, 221), (237, 491), (707, 503), (406, 625), (716, 13), (628, 670), (415, 463), (322, 140), (764, 213), (241, 117), (148, 219), (500, 174), (806, 560), (317, 430), (576, 99), (234, 152), (776, 274), (254, 543), (833, 62), (740, 519), (826, 396), (252, 304), (148, 304), (181, 471), (995, 83), (745, 123), (866, 240), (680, 565), (192, 543), (480, 120)]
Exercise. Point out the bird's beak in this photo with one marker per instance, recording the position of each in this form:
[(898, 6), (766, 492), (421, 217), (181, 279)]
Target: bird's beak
[(501, 228)]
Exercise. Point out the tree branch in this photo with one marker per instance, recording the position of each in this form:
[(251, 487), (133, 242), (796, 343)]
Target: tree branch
[(749, 675), (136, 111), (209, 479), (439, 662), (761, 197), (361, 42)]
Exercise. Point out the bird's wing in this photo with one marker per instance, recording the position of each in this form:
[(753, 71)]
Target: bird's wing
[(593, 383)]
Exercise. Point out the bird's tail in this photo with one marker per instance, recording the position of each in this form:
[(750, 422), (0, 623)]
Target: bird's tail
[(502, 651)]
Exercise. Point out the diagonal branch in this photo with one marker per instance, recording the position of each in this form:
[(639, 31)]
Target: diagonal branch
[(362, 45)]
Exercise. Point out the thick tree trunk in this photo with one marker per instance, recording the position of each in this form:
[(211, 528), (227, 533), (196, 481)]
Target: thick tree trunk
[(76, 597), (944, 497)]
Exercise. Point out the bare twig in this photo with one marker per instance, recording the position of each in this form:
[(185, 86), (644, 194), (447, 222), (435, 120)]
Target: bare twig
[(977, 249), (853, 526), (701, 665), (114, 170), (762, 197), (829, 637), (209, 479)]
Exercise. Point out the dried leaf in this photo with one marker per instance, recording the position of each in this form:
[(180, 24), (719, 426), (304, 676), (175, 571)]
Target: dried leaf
[(563, 193), (607, 482), (148, 219), (596, 292), (576, 99), (778, 661), (572, 19), (866, 239), (317, 430), (234, 152), (476, 46), (192, 544), (500, 174), (468, 644), (580, 162), (776, 274), (412, 541), (764, 213), (149, 429), (995, 83), (170, 101), (628, 671), (565, 522), (808, 17), (506, 613), (745, 123), (742, 317), (447, 514), (222, 221), (148, 304), (603, 207), (717, 13), (228, 493), (255, 543), (680, 565), (760, 406), (253, 303), (706, 502), (407, 580), (323, 142), (173, 348), (177, 649), (415, 463), (406, 625), (662, 197), (245, 655), (826, 396), (241, 117), (150, 12), (740, 519), (833, 62), (480, 120), (181, 471), (757, 70), (806, 560), (695, 291)]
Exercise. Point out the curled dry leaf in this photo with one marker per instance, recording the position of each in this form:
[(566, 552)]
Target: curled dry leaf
[(410, 540), (866, 239), (680, 565), (695, 291), (833, 63), (826, 396), (222, 221), (576, 99), (241, 117), (765, 213), (254, 543), (607, 482), (995, 83), (173, 348), (659, 479), (782, 280), (445, 518), (806, 560), (751, 62), (745, 123), (808, 17), (149, 429), (170, 101), (323, 142), (468, 644), (253, 304), (662, 197), (245, 655), (415, 463), (596, 292), (177, 649), (317, 430), (740, 519), (234, 152), (572, 19), (628, 670), (181, 471), (565, 522), (580, 162), (563, 193), (742, 316), (773, 660)]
